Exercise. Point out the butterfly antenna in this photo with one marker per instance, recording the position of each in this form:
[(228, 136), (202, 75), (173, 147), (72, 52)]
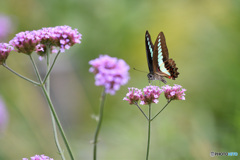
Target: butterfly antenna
[(139, 70)]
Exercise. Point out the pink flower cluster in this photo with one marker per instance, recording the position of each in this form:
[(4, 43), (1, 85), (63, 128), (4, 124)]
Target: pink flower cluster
[(37, 40), (5, 27), (174, 93), (133, 95), (151, 94), (25, 42), (110, 72), (4, 52), (39, 157)]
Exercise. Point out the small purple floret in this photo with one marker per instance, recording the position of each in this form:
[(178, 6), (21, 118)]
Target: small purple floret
[(39, 157)]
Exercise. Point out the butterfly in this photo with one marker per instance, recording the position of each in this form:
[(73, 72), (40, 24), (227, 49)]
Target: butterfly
[(159, 64)]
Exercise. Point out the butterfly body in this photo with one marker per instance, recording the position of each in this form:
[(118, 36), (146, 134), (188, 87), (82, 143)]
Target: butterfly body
[(159, 64)]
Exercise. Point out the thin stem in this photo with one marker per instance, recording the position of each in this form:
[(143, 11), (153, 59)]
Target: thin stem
[(99, 124), (141, 110), (35, 69), (161, 110), (21, 76), (149, 131), (56, 137), (58, 122), (47, 78), (50, 69), (52, 109)]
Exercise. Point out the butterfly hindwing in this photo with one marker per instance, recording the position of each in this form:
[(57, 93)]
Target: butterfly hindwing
[(171, 67)]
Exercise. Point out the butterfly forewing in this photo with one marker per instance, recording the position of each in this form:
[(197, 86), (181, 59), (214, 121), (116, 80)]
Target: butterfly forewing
[(149, 51)]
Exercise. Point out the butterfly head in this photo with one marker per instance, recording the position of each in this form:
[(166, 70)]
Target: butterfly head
[(151, 76)]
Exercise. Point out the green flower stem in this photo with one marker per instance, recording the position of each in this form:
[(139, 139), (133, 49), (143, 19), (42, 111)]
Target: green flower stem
[(50, 69), (47, 79), (56, 137), (161, 110), (149, 131), (141, 110), (36, 70), (99, 124), (58, 122), (52, 110), (19, 75)]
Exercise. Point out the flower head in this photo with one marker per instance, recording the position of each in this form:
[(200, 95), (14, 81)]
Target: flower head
[(39, 157), (5, 27), (110, 72), (60, 36), (174, 93), (4, 52), (26, 42), (151, 95), (133, 95)]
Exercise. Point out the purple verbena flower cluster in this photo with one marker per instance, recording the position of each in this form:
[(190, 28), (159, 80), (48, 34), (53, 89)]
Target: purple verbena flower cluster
[(39, 157), (37, 40), (133, 95), (110, 72), (5, 27), (60, 36), (25, 42), (174, 93), (4, 52), (151, 94)]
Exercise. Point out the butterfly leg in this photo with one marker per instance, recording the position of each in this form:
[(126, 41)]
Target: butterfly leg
[(163, 80)]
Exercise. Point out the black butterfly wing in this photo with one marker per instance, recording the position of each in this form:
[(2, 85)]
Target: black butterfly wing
[(149, 51)]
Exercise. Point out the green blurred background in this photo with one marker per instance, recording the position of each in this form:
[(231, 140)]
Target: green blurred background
[(203, 39)]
